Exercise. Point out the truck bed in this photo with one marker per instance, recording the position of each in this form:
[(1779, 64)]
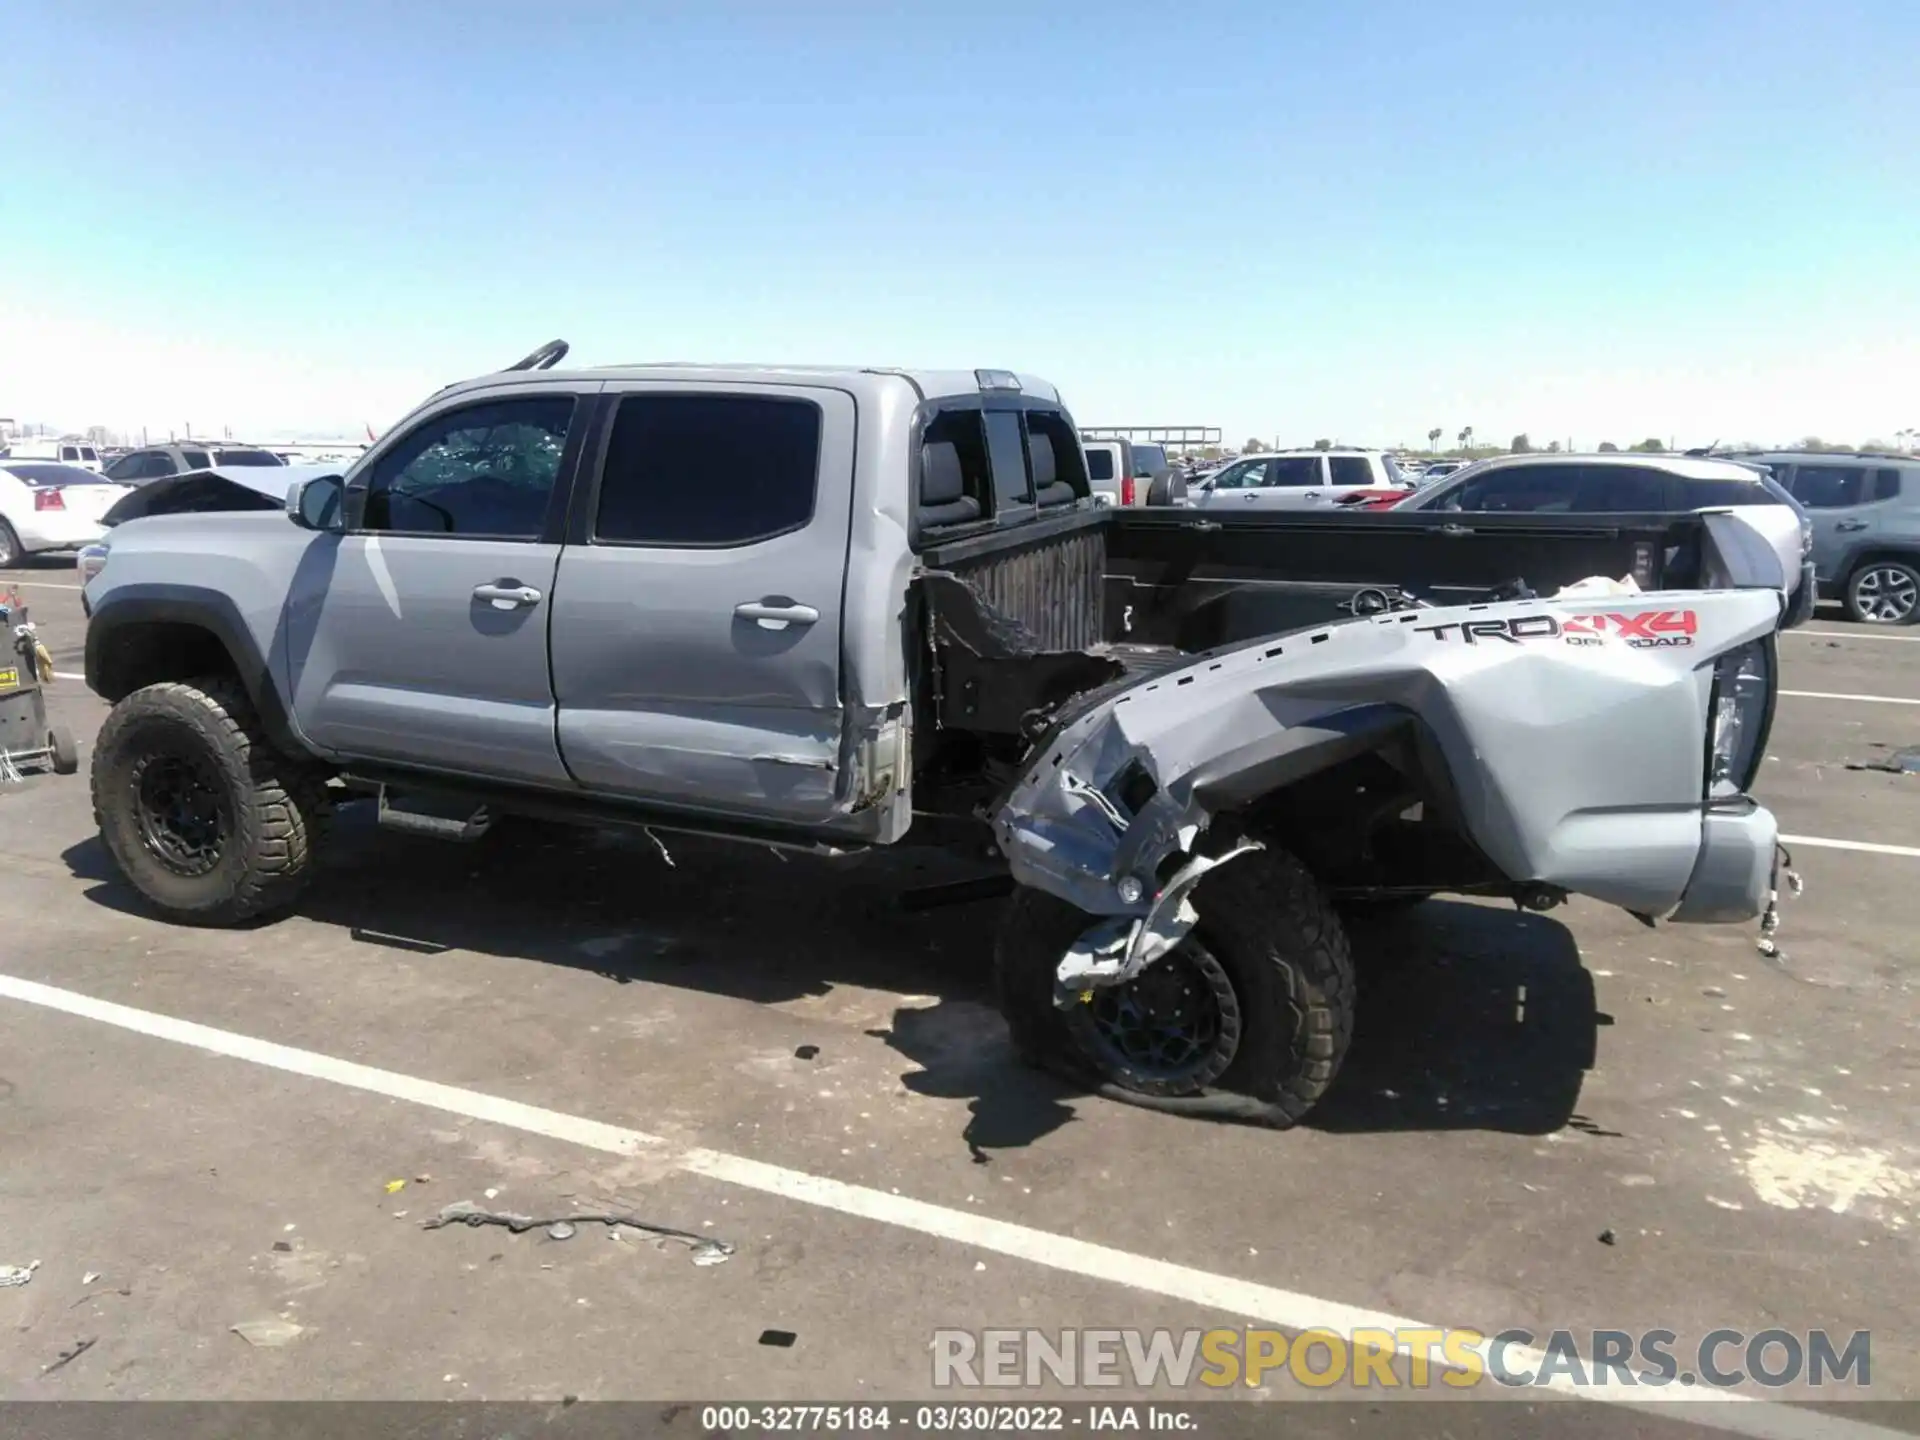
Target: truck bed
[(1198, 579)]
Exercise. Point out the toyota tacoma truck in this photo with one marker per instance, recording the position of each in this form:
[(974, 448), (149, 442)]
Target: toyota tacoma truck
[(841, 608)]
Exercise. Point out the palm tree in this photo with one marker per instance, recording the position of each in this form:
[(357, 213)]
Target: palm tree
[(1433, 438), (1466, 438)]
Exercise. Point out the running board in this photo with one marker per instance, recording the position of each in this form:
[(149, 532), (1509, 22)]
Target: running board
[(438, 817)]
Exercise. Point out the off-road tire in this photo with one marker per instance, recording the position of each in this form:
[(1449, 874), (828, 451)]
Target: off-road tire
[(10, 552), (276, 809), (1280, 941)]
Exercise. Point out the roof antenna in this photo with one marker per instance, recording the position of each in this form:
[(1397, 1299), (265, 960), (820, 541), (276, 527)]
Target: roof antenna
[(545, 358), (1705, 449)]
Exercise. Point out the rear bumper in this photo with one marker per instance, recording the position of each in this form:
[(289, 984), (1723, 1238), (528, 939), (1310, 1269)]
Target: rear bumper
[(56, 530), (1733, 878)]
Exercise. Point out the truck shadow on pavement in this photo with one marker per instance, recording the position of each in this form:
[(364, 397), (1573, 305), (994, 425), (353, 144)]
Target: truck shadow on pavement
[(1471, 1017)]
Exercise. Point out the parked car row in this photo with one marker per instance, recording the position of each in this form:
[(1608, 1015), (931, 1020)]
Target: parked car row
[(1850, 522)]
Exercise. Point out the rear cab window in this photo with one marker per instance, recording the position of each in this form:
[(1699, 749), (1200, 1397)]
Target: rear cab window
[(1007, 454)]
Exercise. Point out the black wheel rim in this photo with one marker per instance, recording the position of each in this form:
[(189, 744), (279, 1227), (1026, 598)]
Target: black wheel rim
[(182, 811), (1174, 1026)]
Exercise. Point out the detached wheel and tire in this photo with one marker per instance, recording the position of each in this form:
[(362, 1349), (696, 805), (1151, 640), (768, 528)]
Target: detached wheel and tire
[(203, 816), (1884, 592), (1247, 1019)]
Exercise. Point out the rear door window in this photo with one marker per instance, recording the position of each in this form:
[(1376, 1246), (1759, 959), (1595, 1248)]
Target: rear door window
[(1710, 494), (196, 459), (1829, 487), (1294, 472), (1351, 470), (1007, 453), (708, 470), (1886, 484)]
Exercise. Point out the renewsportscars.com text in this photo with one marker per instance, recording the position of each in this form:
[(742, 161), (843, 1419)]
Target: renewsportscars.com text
[(1397, 1359)]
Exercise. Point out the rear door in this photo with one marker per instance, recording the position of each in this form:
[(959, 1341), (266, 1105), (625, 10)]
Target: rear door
[(1844, 504), (1348, 473), (420, 636), (697, 619), (1290, 482)]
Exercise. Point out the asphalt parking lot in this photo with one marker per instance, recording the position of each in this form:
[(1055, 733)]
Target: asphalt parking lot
[(770, 1053)]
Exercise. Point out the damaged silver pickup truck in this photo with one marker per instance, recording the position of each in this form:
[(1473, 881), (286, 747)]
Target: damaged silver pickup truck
[(834, 609)]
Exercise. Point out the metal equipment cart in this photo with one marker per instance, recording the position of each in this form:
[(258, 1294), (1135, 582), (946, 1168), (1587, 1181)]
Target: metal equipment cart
[(27, 741)]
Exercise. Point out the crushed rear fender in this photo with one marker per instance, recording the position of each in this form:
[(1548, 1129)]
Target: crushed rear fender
[(1573, 732)]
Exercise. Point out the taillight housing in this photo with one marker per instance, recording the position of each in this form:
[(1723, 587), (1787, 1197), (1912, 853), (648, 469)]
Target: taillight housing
[(52, 499), (1126, 490), (1744, 682)]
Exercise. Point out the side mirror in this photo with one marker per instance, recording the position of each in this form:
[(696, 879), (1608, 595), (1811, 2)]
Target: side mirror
[(315, 504)]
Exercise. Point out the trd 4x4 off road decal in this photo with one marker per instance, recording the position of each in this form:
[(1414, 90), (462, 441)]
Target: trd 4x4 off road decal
[(1642, 630)]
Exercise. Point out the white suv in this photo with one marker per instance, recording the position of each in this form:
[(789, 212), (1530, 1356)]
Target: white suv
[(1299, 480)]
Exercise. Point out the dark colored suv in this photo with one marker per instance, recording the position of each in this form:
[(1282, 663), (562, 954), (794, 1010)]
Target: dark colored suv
[(1865, 510)]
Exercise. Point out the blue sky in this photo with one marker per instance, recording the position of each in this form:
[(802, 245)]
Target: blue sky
[(1296, 220)]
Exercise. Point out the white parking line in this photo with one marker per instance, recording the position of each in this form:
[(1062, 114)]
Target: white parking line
[(1853, 635), (1863, 699), (6, 580), (1865, 847), (1287, 1309), (68, 675)]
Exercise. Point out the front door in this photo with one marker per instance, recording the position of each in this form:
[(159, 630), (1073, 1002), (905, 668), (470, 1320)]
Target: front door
[(697, 616), (420, 635)]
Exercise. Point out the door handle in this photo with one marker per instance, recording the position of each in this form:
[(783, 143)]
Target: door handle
[(1850, 525), (1311, 495), (769, 615), (1251, 496), (507, 595)]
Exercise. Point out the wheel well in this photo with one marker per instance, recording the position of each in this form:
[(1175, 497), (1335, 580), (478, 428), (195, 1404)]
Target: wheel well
[(1869, 557), (1385, 818), (145, 652)]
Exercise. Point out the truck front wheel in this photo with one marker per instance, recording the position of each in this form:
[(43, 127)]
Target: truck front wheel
[(210, 823), (1247, 1019)]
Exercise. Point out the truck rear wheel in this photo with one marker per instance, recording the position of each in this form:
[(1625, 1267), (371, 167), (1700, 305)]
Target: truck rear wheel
[(210, 823), (1248, 1019)]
